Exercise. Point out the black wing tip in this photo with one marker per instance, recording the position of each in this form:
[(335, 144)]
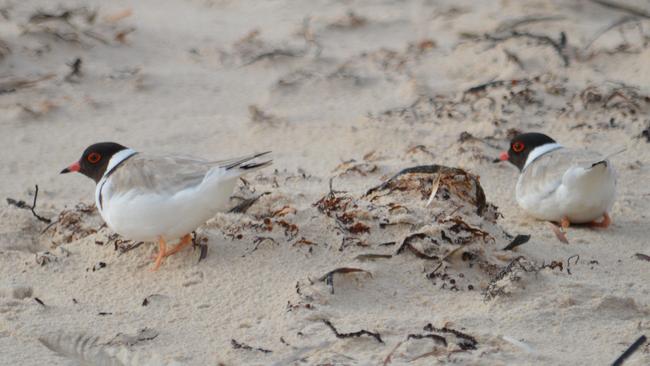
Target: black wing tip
[(602, 162), (255, 165), (241, 163)]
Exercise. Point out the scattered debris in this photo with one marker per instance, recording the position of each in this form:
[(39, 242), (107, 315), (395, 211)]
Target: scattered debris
[(512, 273), (372, 257), (568, 262), (75, 71), (353, 334), (406, 244), (258, 115), (32, 208), (517, 241), (237, 345), (467, 342), (642, 256), (99, 266)]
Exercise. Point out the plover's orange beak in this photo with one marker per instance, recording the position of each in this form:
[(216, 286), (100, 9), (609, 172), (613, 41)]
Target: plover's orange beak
[(503, 156), (74, 167)]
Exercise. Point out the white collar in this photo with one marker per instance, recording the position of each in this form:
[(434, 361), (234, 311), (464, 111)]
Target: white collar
[(117, 158), (541, 150)]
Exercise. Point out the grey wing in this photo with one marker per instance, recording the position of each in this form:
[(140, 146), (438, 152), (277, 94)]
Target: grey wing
[(170, 174), (545, 175)]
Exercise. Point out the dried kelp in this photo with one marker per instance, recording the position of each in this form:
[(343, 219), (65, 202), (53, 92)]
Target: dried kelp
[(32, 208), (464, 341), (359, 333), (436, 182), (244, 346)]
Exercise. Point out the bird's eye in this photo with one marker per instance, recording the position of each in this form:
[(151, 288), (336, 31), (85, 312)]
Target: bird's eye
[(518, 147), (94, 157)]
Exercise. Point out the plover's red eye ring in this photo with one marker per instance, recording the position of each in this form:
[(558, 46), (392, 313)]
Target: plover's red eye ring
[(518, 147), (94, 157)]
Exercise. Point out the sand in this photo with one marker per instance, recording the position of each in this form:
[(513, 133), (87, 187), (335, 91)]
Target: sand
[(350, 90)]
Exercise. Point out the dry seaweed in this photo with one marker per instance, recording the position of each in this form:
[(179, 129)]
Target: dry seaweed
[(406, 244), (328, 277), (456, 180), (460, 225), (244, 346), (467, 341), (512, 271), (359, 333), (32, 208), (332, 201)]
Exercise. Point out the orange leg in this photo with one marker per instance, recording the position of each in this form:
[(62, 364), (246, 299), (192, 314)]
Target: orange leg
[(603, 224), (560, 231), (185, 241), (162, 250)]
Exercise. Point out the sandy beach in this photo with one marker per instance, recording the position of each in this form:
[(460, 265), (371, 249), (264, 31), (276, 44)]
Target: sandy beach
[(319, 269)]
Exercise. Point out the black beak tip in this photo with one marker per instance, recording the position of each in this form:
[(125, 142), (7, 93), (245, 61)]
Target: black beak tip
[(66, 170)]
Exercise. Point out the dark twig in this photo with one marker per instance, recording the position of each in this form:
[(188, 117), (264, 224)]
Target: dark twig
[(568, 262), (512, 24), (275, 53), (353, 334), (628, 352), (642, 256), (406, 244), (22, 204), (75, 70), (237, 345), (517, 241)]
